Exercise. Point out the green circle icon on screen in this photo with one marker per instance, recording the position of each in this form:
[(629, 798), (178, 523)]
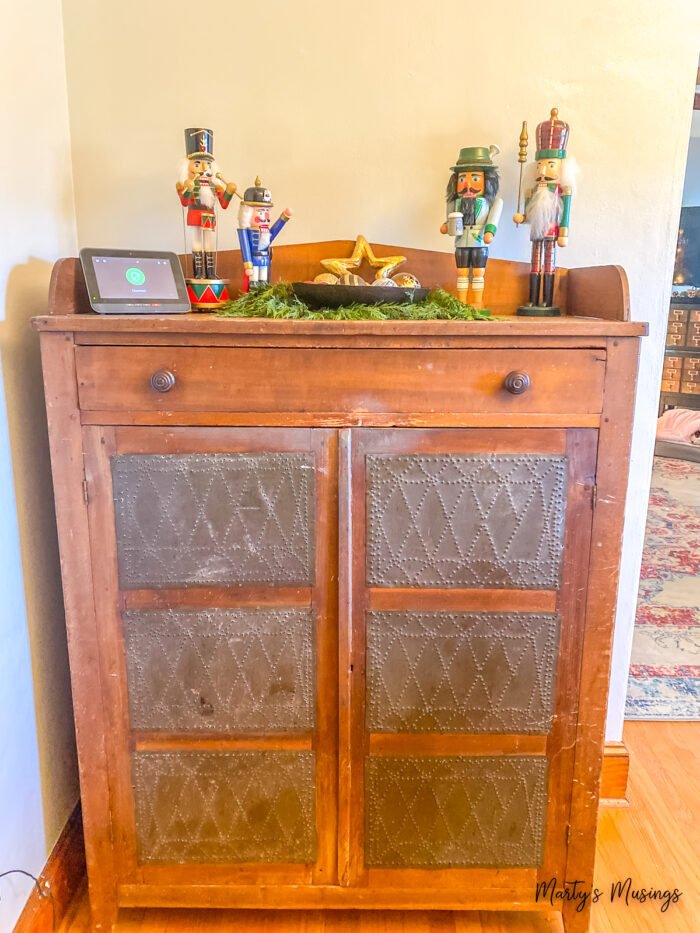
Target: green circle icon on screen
[(135, 276)]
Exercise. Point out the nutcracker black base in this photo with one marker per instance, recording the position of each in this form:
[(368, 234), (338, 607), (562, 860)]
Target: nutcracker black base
[(538, 311)]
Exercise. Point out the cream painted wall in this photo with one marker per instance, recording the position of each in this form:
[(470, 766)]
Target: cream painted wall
[(352, 114), (38, 771)]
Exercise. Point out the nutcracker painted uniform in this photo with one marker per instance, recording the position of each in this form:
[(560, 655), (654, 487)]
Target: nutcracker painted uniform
[(547, 211), (473, 214), (255, 234), (200, 191)]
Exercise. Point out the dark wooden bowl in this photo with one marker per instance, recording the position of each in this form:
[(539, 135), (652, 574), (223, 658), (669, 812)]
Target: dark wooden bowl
[(316, 295)]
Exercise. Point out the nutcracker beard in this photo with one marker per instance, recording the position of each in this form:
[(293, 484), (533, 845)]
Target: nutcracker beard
[(468, 211), (543, 212), (468, 205), (206, 195)]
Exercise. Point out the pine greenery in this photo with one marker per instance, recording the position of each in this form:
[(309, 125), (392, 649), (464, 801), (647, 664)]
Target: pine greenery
[(279, 301)]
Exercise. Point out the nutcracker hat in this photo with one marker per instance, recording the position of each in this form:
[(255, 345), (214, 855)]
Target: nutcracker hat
[(258, 195), (552, 137), (476, 158), (199, 143)]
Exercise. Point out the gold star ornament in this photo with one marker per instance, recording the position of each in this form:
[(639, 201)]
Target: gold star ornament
[(386, 265)]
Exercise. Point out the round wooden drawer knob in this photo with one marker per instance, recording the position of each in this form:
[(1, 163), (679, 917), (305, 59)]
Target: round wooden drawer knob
[(162, 380), (517, 383)]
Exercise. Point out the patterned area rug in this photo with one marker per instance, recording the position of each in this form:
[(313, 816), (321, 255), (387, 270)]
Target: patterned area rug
[(665, 670)]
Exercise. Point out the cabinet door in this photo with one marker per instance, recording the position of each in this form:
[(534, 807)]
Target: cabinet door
[(214, 555), (464, 559)]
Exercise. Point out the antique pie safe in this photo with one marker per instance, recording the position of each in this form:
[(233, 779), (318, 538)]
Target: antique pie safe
[(340, 596)]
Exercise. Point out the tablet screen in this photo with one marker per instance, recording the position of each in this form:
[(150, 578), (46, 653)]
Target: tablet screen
[(135, 279)]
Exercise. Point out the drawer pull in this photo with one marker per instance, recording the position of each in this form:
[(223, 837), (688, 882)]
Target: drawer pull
[(517, 383), (162, 380)]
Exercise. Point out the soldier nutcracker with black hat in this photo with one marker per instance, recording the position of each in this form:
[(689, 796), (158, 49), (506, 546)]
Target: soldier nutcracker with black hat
[(547, 209), (255, 234), (473, 213), (202, 186)]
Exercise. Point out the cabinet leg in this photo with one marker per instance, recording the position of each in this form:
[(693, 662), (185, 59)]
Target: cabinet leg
[(104, 914), (576, 921)]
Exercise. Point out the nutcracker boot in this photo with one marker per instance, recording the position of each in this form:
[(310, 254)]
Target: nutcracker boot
[(197, 264), (210, 265), (534, 288), (548, 290), (462, 284), (478, 288)]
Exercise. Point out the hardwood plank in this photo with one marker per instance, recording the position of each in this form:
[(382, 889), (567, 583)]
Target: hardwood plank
[(402, 743), (353, 740), (65, 444), (474, 441), (399, 380), (643, 840), (196, 338), (325, 604), (99, 445), (211, 323), (338, 419), (222, 597), (189, 440), (581, 448), (61, 881), (254, 896), (599, 291), (655, 840), (606, 538), (136, 920), (506, 283), (463, 600), (345, 670), (246, 874), (180, 742)]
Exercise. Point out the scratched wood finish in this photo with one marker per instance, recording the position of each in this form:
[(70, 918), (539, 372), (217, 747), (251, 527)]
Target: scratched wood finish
[(506, 284), (101, 443), (613, 460), (582, 412), (652, 839), (87, 681), (580, 449), (119, 379)]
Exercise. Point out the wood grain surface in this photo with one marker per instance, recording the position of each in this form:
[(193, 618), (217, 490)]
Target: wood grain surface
[(655, 840), (225, 379), (601, 291), (338, 391)]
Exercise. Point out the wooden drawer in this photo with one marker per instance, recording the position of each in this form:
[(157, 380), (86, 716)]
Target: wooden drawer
[(693, 335), (676, 329), (337, 380)]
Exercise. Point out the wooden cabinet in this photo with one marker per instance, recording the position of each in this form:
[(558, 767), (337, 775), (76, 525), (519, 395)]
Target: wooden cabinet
[(680, 380), (339, 604)]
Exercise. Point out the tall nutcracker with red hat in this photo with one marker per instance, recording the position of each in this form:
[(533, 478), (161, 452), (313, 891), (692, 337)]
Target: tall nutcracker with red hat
[(547, 209), (201, 187), (255, 234)]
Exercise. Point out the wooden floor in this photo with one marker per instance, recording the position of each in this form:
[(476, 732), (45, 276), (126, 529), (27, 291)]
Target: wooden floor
[(655, 841)]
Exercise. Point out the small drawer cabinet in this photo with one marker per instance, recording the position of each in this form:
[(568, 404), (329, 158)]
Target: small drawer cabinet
[(339, 601)]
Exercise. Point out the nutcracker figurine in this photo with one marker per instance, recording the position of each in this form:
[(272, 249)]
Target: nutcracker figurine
[(202, 186), (547, 209), (255, 234), (473, 212)]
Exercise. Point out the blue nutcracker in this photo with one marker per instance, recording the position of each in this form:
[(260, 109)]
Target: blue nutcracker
[(255, 234)]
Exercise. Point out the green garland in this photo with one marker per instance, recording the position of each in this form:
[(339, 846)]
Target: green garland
[(279, 301)]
